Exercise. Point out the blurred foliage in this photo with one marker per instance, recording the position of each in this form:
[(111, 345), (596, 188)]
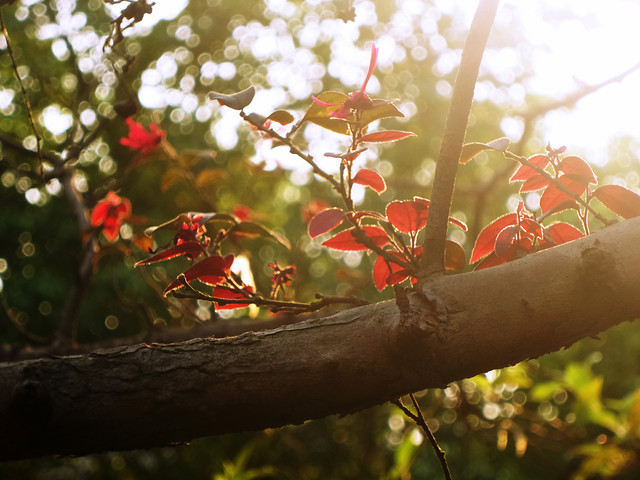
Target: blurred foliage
[(574, 414)]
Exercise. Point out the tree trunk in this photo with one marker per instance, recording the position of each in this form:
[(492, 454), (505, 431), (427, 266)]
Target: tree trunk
[(460, 325)]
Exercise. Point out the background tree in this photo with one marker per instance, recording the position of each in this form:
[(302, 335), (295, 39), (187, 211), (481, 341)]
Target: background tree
[(61, 276)]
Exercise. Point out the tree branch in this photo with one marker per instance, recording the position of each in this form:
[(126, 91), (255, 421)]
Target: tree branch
[(453, 138), (456, 327)]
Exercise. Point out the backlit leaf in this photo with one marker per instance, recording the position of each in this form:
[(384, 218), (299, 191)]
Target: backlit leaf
[(562, 232), (227, 293), (281, 116), (382, 271), (211, 271), (554, 197), (325, 221), (371, 179), (379, 109), (485, 244), (237, 101), (191, 249), (471, 150), (524, 172), (619, 200), (576, 166), (321, 115), (346, 240), (505, 239), (490, 261), (209, 177), (386, 136), (454, 257), (408, 216), (534, 183)]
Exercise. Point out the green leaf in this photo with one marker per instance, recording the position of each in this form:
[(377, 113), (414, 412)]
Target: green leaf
[(237, 101), (254, 230), (380, 109), (321, 115), (281, 116), (471, 150)]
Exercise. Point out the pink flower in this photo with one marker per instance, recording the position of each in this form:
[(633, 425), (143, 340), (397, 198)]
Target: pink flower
[(357, 100), (141, 139), (110, 213)]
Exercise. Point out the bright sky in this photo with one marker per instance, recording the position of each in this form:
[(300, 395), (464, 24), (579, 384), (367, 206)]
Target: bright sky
[(569, 43)]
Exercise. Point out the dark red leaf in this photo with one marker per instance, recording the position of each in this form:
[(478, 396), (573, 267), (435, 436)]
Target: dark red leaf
[(531, 227), (490, 261), (485, 244), (576, 166), (386, 136), (454, 257), (562, 232), (211, 271), (553, 196), (190, 249), (408, 216), (346, 240), (619, 200), (369, 178), (525, 173), (230, 294), (534, 183), (325, 221), (505, 239)]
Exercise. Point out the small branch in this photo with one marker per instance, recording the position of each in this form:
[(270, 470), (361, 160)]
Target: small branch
[(24, 92), (295, 150), (418, 418), (453, 138)]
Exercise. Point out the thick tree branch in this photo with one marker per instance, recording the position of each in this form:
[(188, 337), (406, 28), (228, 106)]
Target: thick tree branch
[(453, 138), (456, 327)]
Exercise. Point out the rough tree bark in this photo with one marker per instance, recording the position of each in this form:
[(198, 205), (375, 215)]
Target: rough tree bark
[(458, 326)]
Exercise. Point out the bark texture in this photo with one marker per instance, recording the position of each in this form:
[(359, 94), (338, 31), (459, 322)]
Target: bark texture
[(458, 326)]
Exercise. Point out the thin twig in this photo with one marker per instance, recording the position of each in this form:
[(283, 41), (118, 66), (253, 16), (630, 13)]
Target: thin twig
[(453, 138), (24, 93), (418, 418)]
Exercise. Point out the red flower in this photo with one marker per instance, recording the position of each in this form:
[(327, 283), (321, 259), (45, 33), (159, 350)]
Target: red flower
[(110, 213), (141, 139), (357, 100)]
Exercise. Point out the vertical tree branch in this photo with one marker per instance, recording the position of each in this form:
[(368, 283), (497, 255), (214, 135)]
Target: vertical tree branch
[(453, 138)]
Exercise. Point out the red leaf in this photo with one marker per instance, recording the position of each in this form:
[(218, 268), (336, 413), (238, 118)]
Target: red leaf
[(227, 293), (491, 261), (325, 221), (505, 239), (454, 257), (346, 240), (382, 272), (485, 244), (369, 178), (576, 166), (534, 183), (386, 136), (553, 196), (562, 232), (525, 173), (190, 249), (619, 200), (408, 216), (211, 270)]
